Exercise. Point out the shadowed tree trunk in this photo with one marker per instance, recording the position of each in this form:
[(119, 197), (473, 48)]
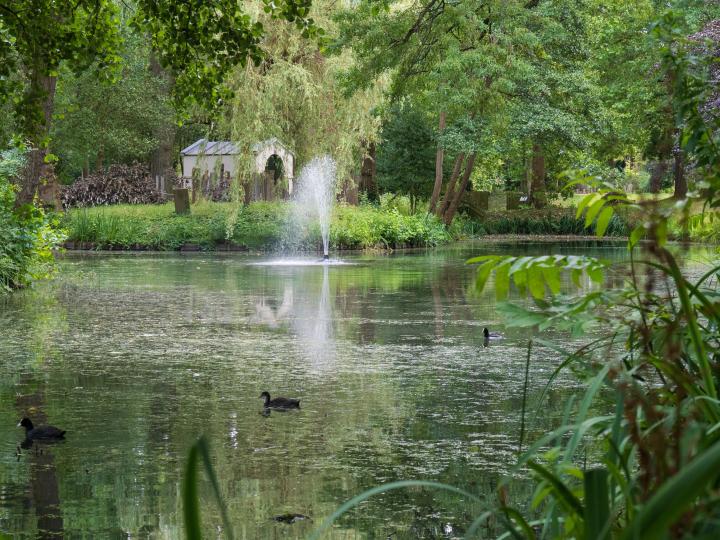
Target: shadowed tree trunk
[(438, 167), (162, 158), (100, 161), (538, 169), (681, 187), (457, 196), (657, 174), (36, 170), (443, 207), (368, 183)]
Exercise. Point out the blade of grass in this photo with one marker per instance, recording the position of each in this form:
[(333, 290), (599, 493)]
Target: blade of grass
[(597, 511), (524, 398), (382, 489), (564, 495), (191, 503), (675, 496)]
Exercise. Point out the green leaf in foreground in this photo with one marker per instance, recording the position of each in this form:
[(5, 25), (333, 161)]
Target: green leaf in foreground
[(191, 502), (349, 505), (675, 496)]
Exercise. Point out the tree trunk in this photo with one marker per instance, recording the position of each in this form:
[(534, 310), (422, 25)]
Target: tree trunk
[(657, 174), (368, 184), (527, 181), (450, 214), (681, 187), (538, 169), (36, 170), (161, 159), (459, 160), (438, 167), (100, 160)]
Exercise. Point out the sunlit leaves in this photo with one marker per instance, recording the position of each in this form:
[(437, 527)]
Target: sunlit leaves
[(535, 274), (198, 41)]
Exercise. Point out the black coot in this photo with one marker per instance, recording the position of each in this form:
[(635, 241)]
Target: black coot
[(280, 402), (47, 433), (487, 334)]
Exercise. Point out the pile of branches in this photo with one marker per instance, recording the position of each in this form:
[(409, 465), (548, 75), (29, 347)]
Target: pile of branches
[(118, 184)]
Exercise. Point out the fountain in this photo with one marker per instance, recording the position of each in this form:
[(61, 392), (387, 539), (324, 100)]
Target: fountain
[(313, 199), (315, 196)]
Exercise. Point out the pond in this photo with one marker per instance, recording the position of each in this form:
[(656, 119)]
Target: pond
[(136, 355)]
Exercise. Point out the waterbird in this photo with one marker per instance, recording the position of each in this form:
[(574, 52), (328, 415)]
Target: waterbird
[(33, 433), (280, 402), (487, 334), (290, 518)]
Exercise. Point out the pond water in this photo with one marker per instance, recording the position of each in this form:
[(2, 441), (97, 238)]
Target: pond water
[(137, 355)]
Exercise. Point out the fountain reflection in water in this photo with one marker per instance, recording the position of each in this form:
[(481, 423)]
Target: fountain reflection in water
[(308, 315), (313, 325)]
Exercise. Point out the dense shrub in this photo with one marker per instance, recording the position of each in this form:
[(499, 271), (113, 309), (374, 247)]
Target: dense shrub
[(27, 234), (551, 221), (366, 227)]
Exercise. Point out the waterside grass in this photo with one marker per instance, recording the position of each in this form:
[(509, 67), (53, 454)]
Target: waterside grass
[(259, 226)]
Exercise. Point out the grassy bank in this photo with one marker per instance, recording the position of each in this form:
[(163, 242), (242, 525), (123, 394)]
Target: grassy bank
[(260, 225), (265, 226)]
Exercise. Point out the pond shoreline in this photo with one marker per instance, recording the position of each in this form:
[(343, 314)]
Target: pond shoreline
[(84, 247)]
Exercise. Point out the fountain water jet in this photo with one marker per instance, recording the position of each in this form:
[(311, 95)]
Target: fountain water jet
[(315, 194)]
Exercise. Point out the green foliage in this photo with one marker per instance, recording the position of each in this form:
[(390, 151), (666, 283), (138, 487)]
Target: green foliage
[(38, 36), (406, 155), (120, 121), (509, 74), (550, 221), (652, 365), (27, 234), (199, 42), (660, 448), (367, 227), (294, 94), (535, 274), (260, 225)]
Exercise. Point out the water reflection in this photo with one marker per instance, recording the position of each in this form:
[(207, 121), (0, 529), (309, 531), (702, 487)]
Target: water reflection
[(386, 356), (43, 484), (307, 315), (313, 327)]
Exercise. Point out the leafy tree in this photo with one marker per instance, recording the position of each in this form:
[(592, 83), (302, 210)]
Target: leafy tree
[(97, 121), (627, 59), (197, 41), (294, 94), (406, 155), (512, 68), (26, 237)]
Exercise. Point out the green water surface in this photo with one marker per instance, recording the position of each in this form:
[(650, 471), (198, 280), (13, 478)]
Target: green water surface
[(137, 355)]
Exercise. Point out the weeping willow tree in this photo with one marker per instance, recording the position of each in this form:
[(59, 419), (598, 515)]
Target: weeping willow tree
[(295, 94)]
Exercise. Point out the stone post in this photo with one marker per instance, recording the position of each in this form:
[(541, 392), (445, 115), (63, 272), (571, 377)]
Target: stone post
[(182, 201)]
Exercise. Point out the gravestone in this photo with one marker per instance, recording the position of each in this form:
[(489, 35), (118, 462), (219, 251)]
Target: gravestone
[(497, 201), (476, 202), (182, 201)]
